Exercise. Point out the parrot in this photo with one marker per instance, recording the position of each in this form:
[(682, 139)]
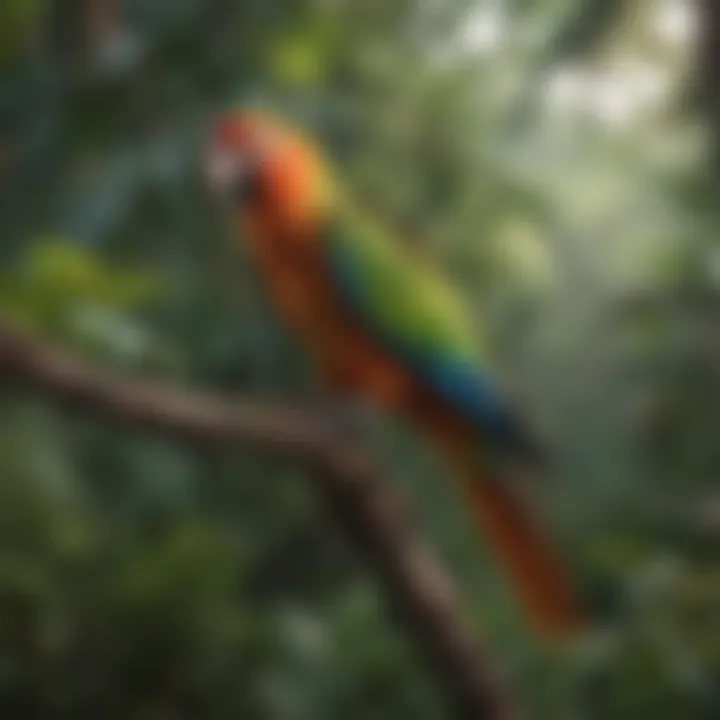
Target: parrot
[(382, 324)]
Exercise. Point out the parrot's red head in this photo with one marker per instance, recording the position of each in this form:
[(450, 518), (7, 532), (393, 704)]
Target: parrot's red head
[(268, 170)]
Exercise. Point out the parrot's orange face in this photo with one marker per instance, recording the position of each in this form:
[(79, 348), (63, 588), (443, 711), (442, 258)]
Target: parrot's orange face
[(268, 171)]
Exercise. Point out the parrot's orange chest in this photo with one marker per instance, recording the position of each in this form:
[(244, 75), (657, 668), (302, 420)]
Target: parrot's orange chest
[(298, 279), (290, 267)]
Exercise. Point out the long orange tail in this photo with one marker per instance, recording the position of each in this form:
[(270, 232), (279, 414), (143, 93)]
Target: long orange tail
[(526, 554), (515, 537)]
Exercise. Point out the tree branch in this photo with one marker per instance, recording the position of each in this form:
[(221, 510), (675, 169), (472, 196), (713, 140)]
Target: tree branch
[(359, 497)]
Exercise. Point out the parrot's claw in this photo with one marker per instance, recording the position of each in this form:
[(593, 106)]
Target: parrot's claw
[(347, 420)]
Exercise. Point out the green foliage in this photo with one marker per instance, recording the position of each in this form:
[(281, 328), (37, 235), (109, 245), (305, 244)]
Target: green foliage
[(56, 276), (20, 24), (299, 56), (61, 289)]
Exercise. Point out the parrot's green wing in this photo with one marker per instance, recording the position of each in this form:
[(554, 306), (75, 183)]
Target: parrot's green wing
[(413, 313), (399, 291)]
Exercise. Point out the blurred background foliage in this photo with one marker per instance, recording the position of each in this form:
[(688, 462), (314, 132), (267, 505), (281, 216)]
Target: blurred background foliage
[(552, 154)]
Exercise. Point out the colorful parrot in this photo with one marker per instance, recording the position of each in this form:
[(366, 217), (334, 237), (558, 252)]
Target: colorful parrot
[(380, 324)]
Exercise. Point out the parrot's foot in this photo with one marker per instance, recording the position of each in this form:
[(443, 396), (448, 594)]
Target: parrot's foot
[(348, 420)]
